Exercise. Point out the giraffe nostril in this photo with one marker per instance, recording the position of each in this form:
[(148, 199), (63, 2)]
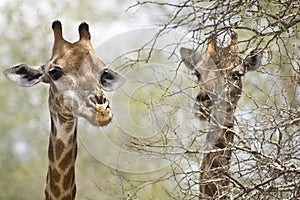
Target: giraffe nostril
[(94, 99), (100, 99), (202, 97)]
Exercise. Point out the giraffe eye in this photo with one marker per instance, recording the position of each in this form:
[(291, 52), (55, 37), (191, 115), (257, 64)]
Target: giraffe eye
[(55, 73), (237, 75), (197, 74)]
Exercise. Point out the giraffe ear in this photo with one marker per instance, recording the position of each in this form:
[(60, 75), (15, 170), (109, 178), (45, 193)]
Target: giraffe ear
[(190, 57), (111, 80), (253, 60), (23, 75)]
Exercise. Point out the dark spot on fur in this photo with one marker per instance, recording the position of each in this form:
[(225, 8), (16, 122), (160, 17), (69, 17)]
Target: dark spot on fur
[(74, 189), (59, 148), (50, 151), (55, 175), (66, 161), (54, 189), (69, 179), (47, 195), (75, 151), (53, 129), (72, 140)]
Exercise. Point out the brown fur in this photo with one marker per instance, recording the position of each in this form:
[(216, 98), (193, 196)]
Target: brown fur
[(75, 61), (77, 79), (215, 165), (219, 73)]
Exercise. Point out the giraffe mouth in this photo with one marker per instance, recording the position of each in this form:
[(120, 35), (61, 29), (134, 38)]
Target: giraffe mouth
[(103, 114), (100, 105)]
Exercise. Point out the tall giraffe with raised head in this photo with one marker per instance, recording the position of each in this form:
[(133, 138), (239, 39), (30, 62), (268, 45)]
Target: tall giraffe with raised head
[(77, 79), (219, 72)]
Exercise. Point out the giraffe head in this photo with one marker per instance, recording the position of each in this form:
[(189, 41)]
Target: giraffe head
[(76, 77), (219, 73)]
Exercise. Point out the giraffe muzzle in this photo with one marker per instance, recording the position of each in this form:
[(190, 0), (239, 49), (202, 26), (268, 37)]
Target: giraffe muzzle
[(101, 100), (103, 111), (104, 114)]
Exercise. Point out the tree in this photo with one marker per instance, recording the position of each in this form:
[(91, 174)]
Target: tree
[(265, 161)]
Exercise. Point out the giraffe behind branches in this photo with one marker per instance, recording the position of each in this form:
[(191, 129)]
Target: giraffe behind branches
[(219, 72), (77, 79)]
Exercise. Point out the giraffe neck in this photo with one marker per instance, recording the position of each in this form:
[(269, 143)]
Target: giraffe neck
[(221, 122), (62, 151), (215, 164)]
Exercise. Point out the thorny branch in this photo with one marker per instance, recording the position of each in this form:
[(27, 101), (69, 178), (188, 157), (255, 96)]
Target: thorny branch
[(266, 151)]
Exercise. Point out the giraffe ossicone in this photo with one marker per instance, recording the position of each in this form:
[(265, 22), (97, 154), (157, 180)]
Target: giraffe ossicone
[(77, 80)]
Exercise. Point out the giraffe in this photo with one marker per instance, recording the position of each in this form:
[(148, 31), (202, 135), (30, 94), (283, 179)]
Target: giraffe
[(219, 74), (77, 79)]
